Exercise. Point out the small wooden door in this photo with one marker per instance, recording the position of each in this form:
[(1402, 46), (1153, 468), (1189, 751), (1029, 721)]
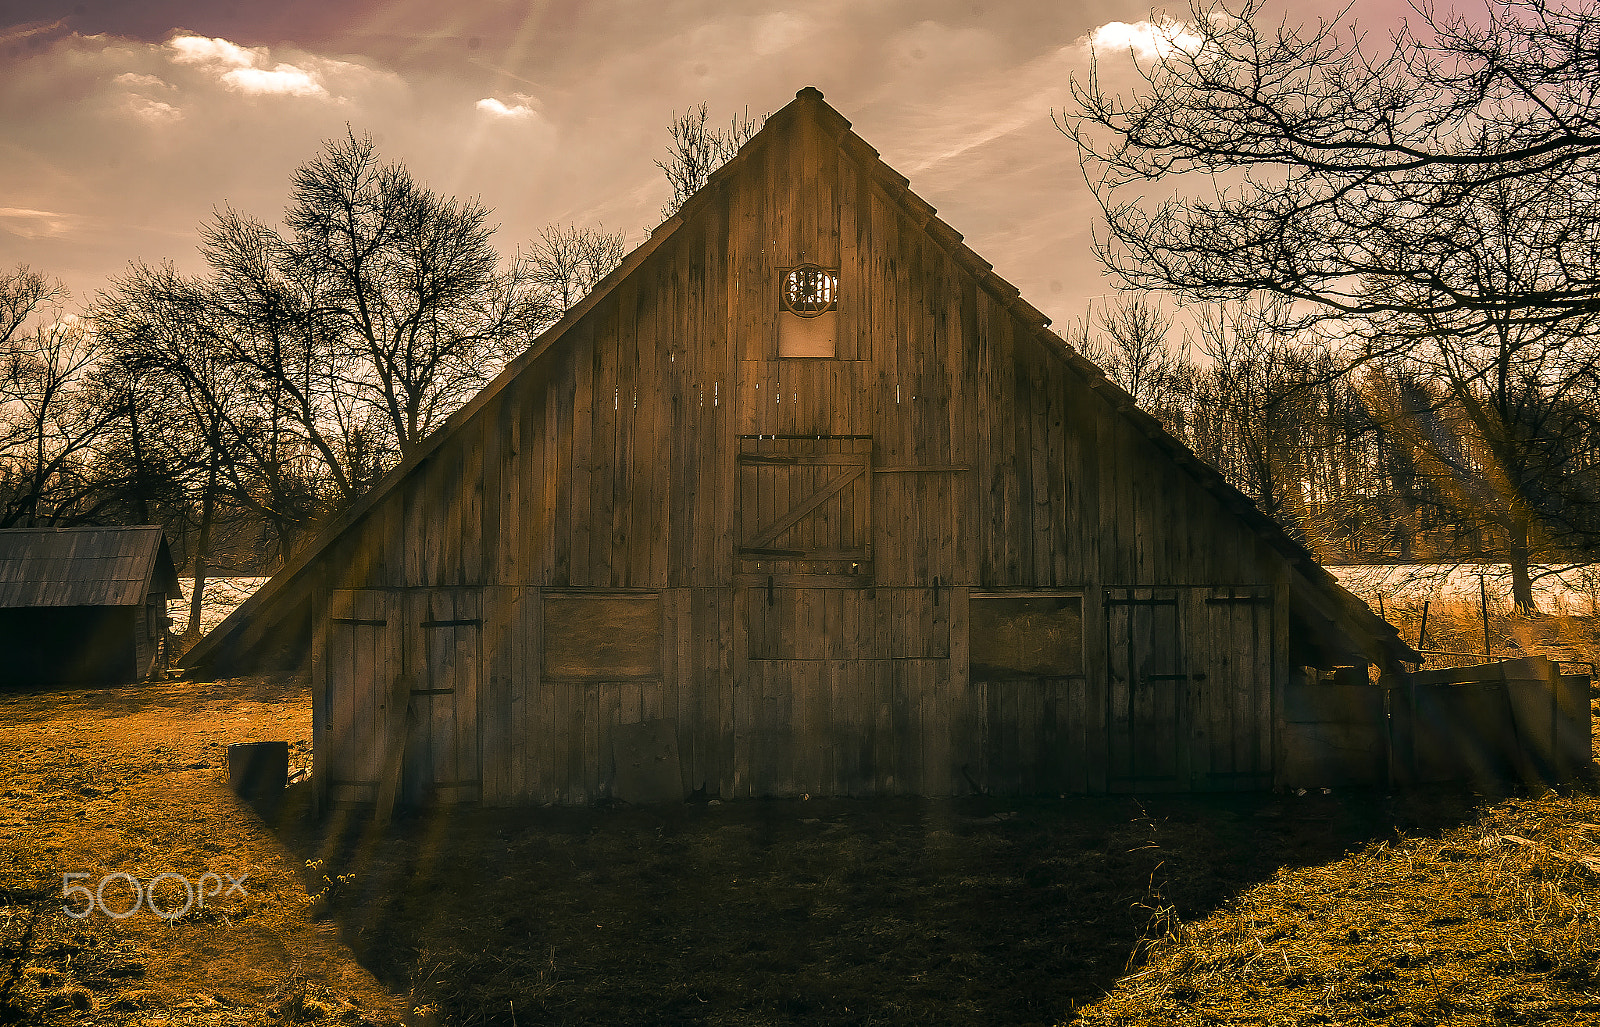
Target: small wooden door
[(363, 660), (1231, 664), (1147, 702), (843, 691), (805, 504), (444, 646)]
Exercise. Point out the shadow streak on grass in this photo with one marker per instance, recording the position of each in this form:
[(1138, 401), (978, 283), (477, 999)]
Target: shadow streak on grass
[(828, 911)]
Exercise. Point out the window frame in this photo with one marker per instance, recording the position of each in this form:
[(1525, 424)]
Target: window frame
[(824, 321)]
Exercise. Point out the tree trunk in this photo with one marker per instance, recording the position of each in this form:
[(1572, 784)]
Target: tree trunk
[(141, 504), (1521, 580), (202, 549), (1401, 525)]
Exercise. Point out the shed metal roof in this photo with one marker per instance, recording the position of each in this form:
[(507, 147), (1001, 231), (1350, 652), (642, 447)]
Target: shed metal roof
[(98, 566)]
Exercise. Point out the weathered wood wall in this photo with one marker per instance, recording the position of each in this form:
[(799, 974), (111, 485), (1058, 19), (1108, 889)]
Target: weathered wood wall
[(148, 624), (629, 460)]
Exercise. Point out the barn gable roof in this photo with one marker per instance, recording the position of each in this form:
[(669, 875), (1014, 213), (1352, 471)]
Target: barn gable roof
[(117, 566), (1325, 604)]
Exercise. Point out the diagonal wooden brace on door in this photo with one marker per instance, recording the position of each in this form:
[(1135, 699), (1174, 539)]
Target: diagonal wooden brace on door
[(397, 726), (767, 535)]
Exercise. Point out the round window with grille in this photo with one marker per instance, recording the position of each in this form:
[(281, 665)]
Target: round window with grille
[(809, 290)]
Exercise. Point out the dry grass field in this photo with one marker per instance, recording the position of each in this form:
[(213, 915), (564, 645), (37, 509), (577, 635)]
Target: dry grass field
[(131, 780), (1261, 909), (1493, 922)]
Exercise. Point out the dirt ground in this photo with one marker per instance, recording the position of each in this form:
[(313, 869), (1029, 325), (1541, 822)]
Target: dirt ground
[(965, 911)]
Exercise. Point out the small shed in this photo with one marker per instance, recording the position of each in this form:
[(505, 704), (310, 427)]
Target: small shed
[(83, 605), (803, 498)]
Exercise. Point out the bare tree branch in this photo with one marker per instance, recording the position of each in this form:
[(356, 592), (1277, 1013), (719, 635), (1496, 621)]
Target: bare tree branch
[(698, 149)]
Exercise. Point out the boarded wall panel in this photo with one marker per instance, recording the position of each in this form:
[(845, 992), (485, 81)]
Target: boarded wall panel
[(1026, 636), (601, 637)]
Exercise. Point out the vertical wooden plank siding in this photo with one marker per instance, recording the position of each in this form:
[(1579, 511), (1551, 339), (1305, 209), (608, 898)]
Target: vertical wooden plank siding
[(612, 463), (321, 743), (559, 467)]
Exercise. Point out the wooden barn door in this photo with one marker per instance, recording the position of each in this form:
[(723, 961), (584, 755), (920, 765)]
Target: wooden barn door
[(363, 662), (805, 505), (1147, 707), (1231, 659), (844, 691), (806, 617), (444, 650)]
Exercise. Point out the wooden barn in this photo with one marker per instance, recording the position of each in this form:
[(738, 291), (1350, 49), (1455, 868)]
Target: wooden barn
[(807, 491), (83, 605)]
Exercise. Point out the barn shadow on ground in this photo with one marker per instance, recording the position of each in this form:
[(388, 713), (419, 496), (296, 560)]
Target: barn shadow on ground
[(976, 910)]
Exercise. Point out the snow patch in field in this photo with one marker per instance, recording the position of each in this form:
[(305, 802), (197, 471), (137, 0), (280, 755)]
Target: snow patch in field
[(1574, 591), (222, 596)]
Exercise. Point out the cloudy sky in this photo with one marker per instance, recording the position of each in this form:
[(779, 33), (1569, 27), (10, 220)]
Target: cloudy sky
[(125, 123)]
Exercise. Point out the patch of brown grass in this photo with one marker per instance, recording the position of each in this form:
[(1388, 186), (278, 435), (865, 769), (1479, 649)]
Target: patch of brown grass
[(1492, 922), (133, 780)]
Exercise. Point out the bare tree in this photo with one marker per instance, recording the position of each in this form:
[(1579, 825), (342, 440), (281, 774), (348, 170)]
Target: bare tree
[(1129, 340), (52, 414), (162, 330), (1502, 415), (1435, 199), (402, 281), (308, 361), (23, 294), (1253, 403), (300, 377), (564, 264), (1316, 165), (141, 468), (698, 149)]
